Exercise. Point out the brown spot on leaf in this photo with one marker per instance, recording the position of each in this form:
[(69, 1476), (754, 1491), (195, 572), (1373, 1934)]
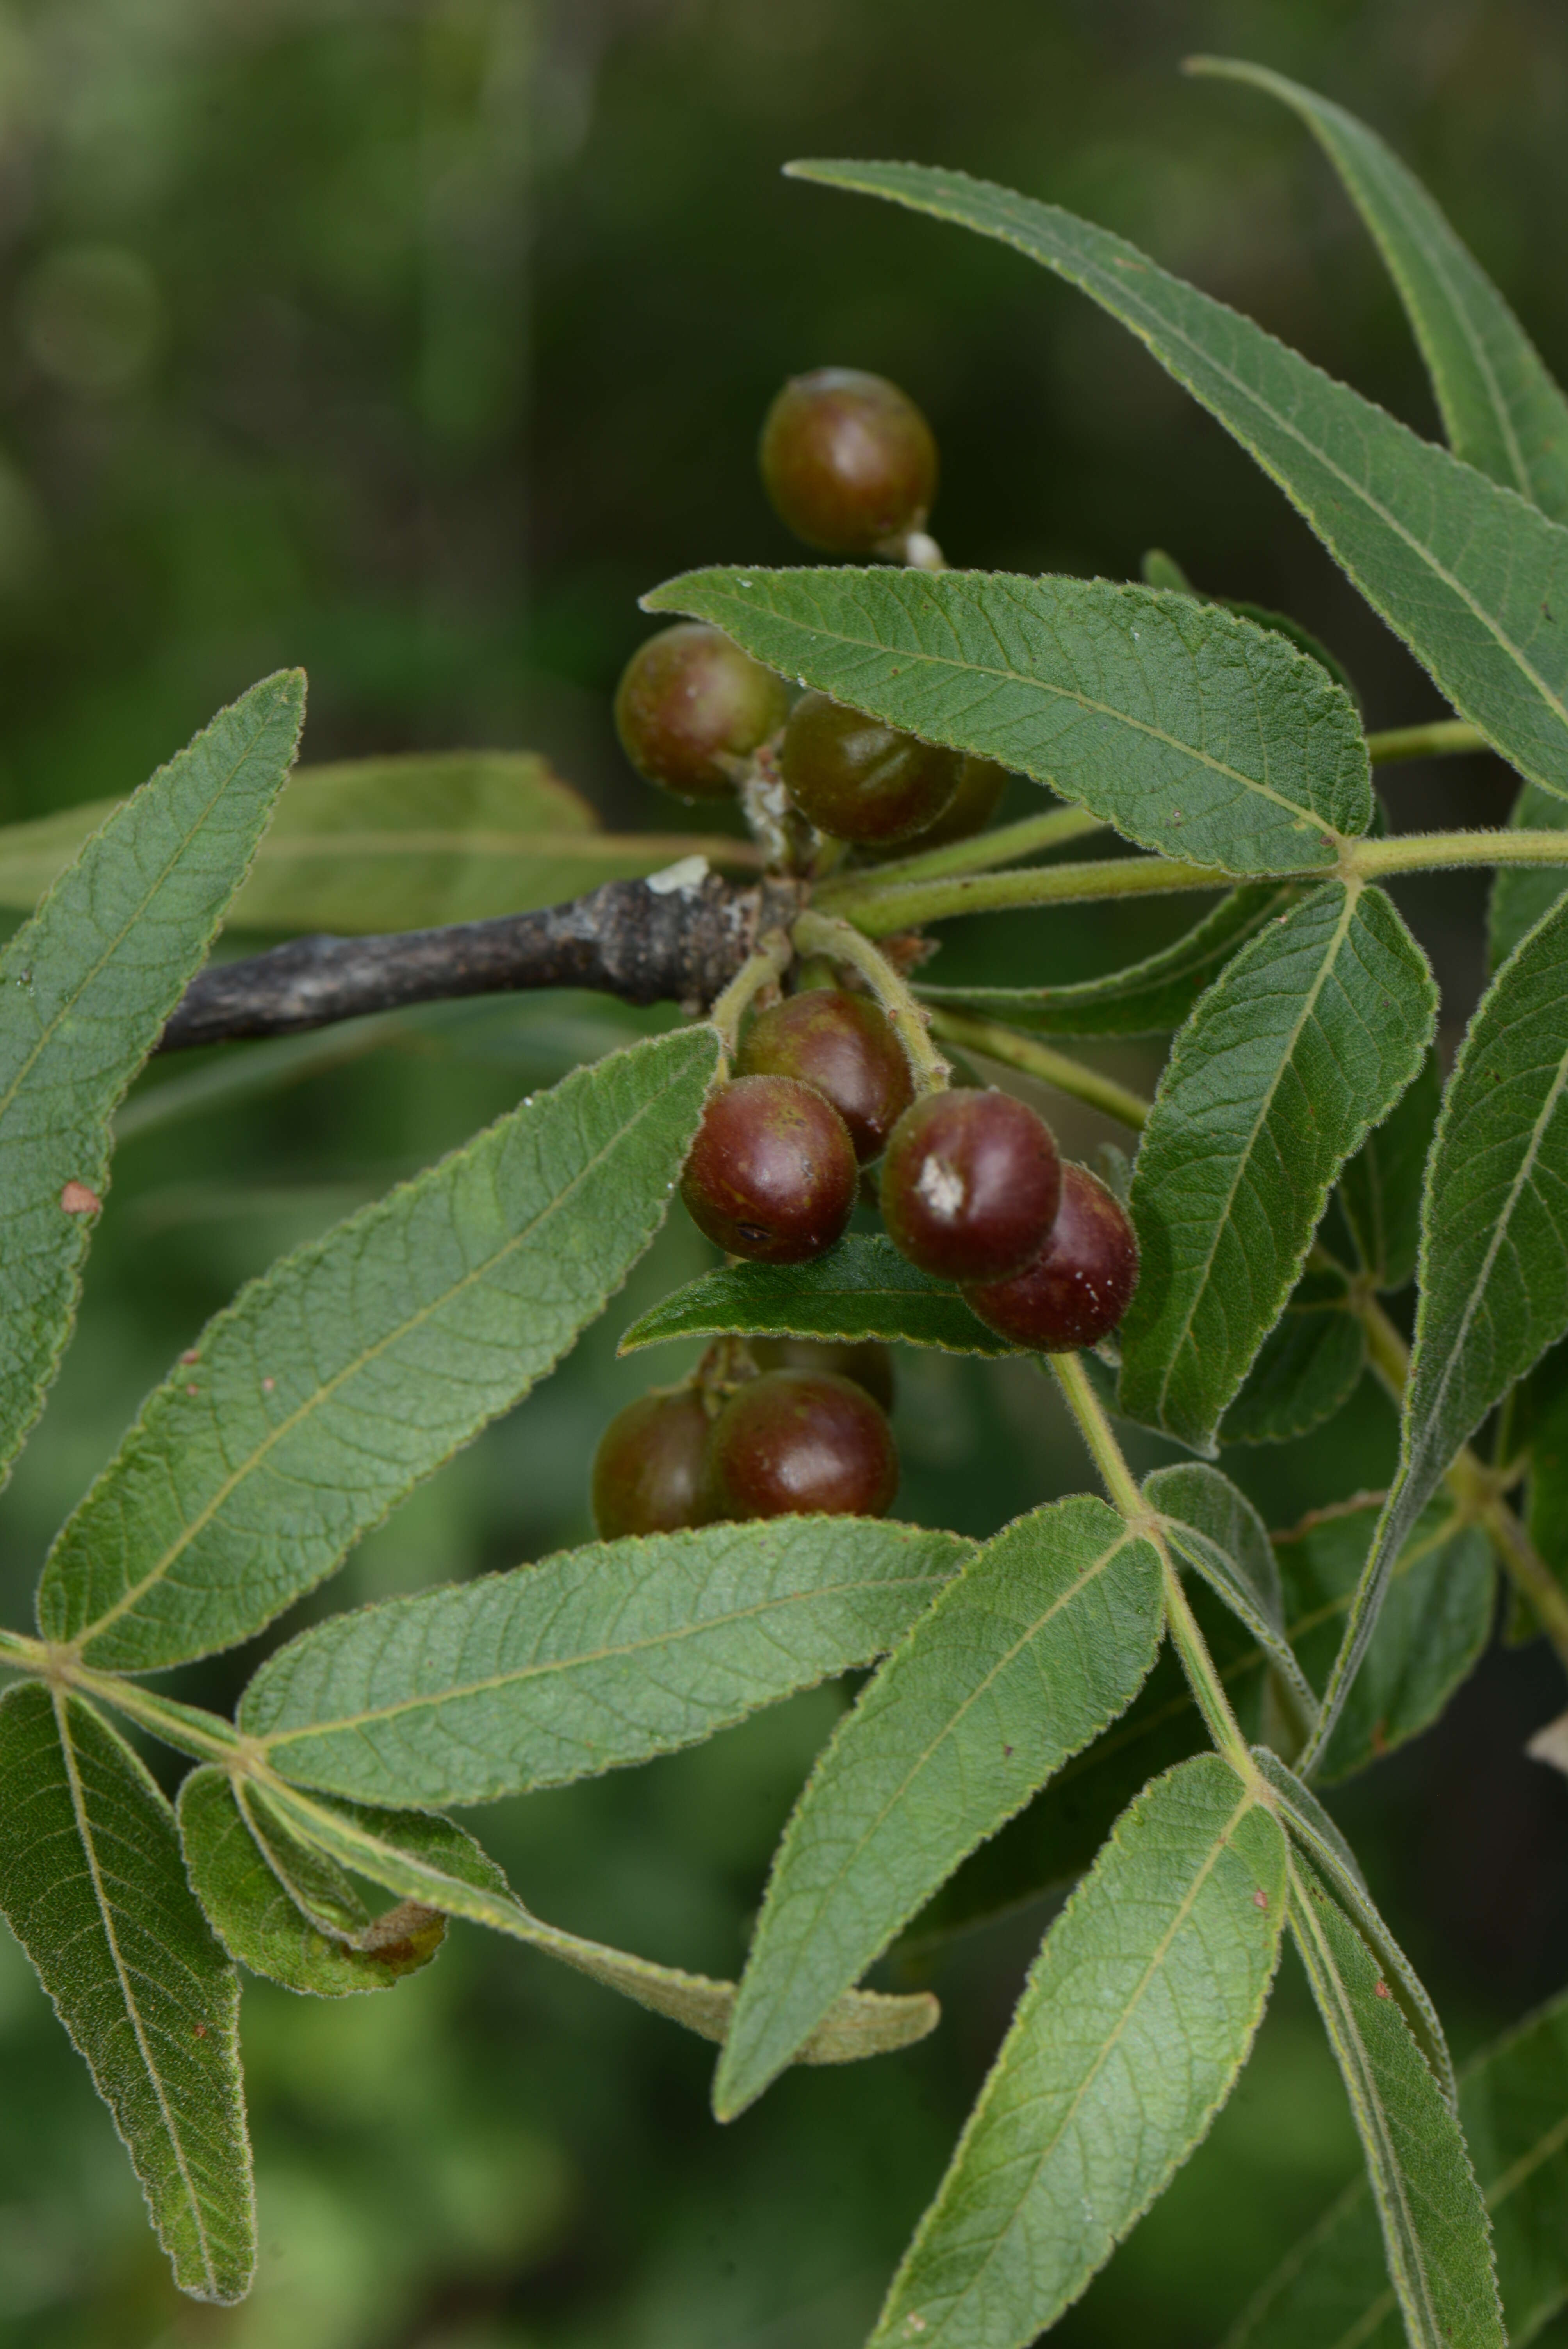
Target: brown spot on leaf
[(1382, 1990), (77, 1200), (1260, 1898), (191, 1355)]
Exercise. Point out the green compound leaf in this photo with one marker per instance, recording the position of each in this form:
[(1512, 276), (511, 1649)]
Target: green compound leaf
[(1523, 893), (1494, 1244), (1040, 1642), (1501, 410), (1162, 570), (1431, 1633), (1307, 1367), (93, 1887), (1513, 2107), (399, 843), (1380, 1190), (1474, 580), (597, 1658), (1309, 1826), (862, 1289), (87, 985), (1190, 730), (356, 1365), (428, 1859), (1137, 2016), (1301, 1046), (1216, 1530), (1147, 999), (1436, 2240), (262, 1891), (1543, 1397)]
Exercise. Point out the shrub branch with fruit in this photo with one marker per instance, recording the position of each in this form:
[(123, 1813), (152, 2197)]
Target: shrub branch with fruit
[(1304, 1158)]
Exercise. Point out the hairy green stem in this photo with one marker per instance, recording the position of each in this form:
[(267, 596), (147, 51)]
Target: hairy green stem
[(1435, 852), (880, 910), (758, 970), (1477, 1489), (1443, 738), (1202, 1676), (821, 933), (979, 854), (1036, 1059)]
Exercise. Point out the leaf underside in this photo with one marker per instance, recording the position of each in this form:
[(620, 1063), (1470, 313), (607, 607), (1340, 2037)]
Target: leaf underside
[(358, 1364), (1192, 732), (1031, 1650), (1137, 2016), (87, 985), (1472, 578), (93, 1887), (1436, 2242), (1303, 1044), (602, 1656)]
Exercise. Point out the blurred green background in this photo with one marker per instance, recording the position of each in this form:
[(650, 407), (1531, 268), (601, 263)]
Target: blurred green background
[(410, 340)]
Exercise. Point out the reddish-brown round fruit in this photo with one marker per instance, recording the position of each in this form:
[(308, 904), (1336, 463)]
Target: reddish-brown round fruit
[(772, 1173), (867, 1363), (848, 461), (690, 703), (979, 794), (859, 779), (649, 1468), (970, 1185), (1080, 1284), (791, 1444), (843, 1045)]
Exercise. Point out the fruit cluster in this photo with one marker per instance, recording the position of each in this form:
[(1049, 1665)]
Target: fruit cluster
[(971, 1187), (746, 1439)]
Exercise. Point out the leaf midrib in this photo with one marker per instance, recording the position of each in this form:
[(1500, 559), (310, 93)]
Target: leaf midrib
[(343, 1724), (122, 1975), (1371, 2102), (1307, 1011), (70, 1003), (1135, 1997), (321, 1395), (1303, 819), (1124, 1539), (1147, 334)]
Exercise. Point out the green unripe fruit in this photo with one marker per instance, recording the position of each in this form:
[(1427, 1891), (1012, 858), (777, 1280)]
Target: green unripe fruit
[(793, 1445), (691, 707), (649, 1468), (844, 1046), (867, 1362), (860, 780), (848, 461), (970, 810)]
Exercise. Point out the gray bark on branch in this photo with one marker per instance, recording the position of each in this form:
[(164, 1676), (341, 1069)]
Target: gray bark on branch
[(678, 938)]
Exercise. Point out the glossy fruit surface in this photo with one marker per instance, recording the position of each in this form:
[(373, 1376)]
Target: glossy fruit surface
[(797, 1444), (1081, 1283), (848, 461), (981, 784), (772, 1173), (845, 1047), (867, 1362), (648, 1470), (690, 703), (859, 779), (970, 1184)]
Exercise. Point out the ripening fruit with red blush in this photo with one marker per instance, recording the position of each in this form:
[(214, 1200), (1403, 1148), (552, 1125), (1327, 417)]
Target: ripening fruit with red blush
[(845, 1047), (649, 1468), (848, 461), (691, 707), (772, 1173), (860, 780), (864, 1360), (1080, 1284), (799, 1444), (981, 784), (970, 1184)]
